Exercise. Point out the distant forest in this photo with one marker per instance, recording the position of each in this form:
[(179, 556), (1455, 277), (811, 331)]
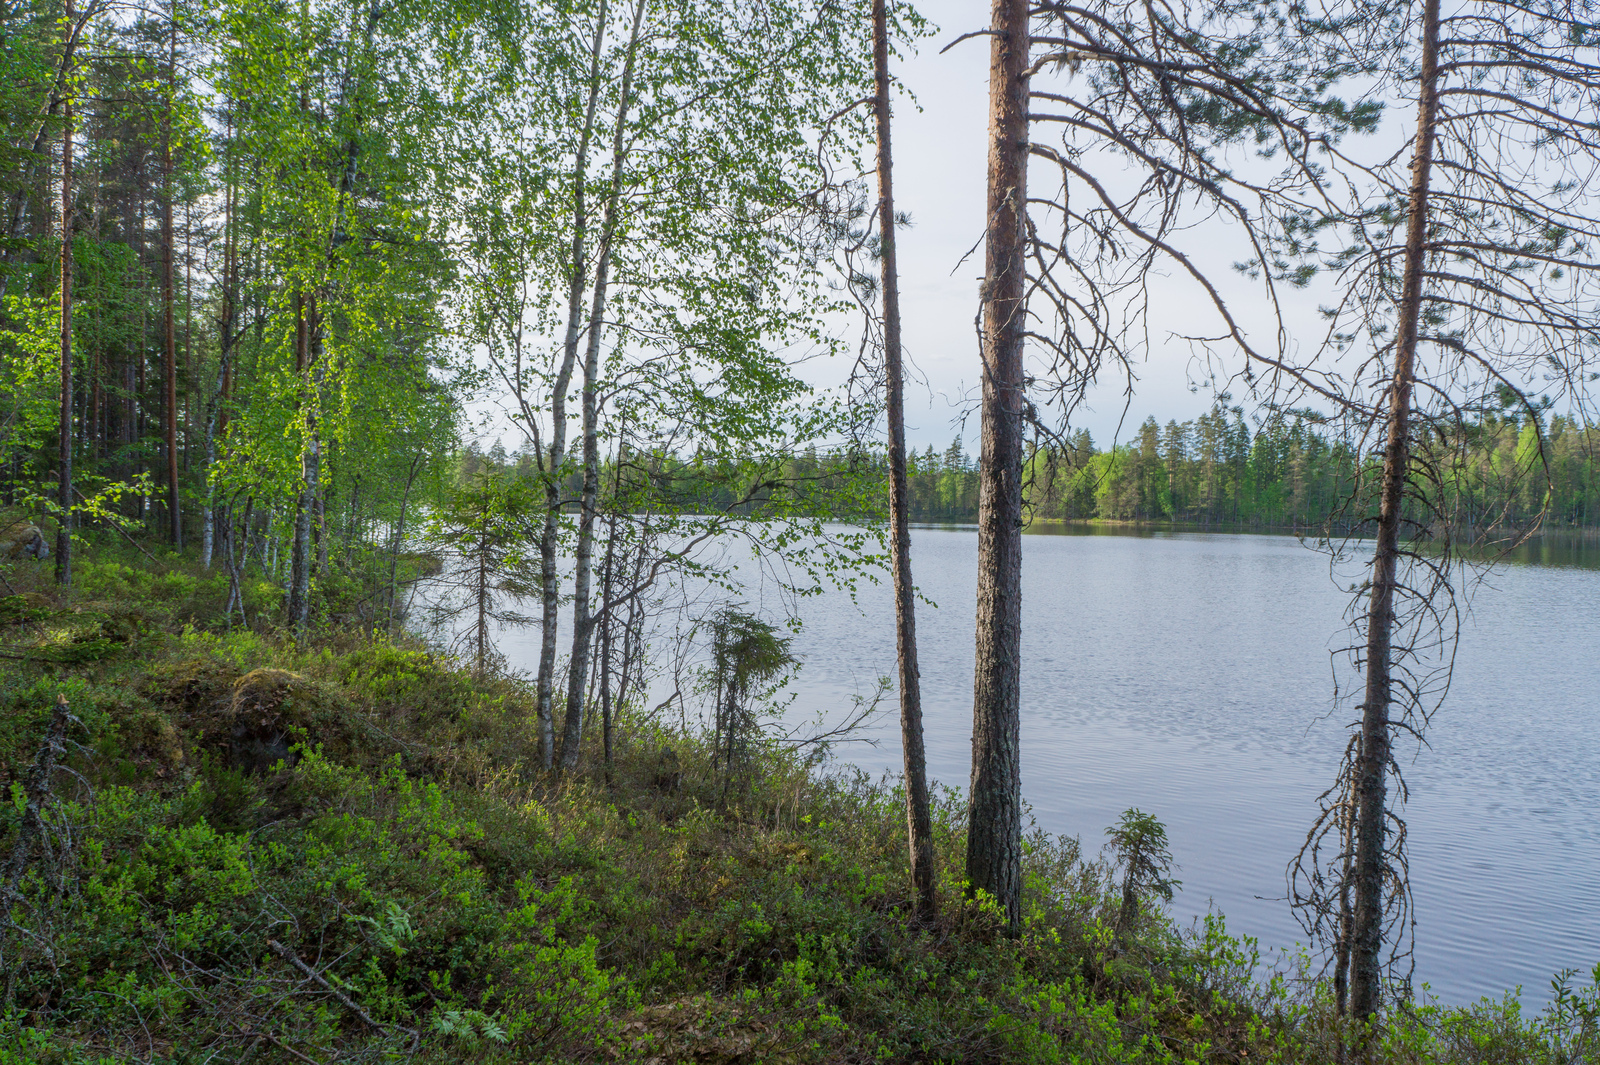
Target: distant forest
[(1290, 471), (1294, 469)]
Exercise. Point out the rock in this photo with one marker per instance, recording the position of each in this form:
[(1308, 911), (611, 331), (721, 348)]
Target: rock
[(669, 774), (267, 704)]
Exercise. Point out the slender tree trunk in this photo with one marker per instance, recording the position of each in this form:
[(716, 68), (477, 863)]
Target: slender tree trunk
[(64, 531), (549, 540), (632, 633), (319, 534), (235, 563), (310, 474), (400, 536), (353, 521), (1372, 764), (231, 338), (582, 622), (209, 523), (549, 593), (481, 587), (994, 831), (919, 817), (169, 329), (60, 97), (188, 336), (607, 573), (1341, 954)]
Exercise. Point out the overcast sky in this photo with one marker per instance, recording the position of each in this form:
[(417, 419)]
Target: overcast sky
[(939, 181), (940, 142)]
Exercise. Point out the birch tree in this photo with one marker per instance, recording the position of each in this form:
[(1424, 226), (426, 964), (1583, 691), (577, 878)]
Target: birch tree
[(649, 187), (337, 110), (66, 503)]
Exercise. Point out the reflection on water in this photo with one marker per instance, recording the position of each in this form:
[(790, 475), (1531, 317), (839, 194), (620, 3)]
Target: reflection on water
[(1192, 675), (1575, 549), (1568, 548)]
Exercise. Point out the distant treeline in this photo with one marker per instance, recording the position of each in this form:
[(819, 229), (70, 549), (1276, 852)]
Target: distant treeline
[(1292, 470)]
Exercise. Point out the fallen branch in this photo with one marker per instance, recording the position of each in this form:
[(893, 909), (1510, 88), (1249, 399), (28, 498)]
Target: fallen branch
[(294, 959), (124, 533), (281, 1045)]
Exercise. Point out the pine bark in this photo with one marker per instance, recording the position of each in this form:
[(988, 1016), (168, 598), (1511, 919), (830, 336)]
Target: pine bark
[(1372, 765), (64, 531), (919, 817), (994, 831), (169, 367)]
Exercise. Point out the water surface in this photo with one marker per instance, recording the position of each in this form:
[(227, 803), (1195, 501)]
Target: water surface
[(1190, 675)]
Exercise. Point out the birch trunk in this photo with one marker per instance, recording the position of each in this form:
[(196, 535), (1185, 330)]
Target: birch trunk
[(310, 475), (225, 344), (582, 622), (607, 573), (994, 833), (549, 579)]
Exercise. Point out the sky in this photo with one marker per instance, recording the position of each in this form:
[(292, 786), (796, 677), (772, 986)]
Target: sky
[(940, 145), (940, 135)]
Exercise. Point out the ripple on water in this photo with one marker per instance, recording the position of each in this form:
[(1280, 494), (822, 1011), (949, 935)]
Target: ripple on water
[(1191, 675)]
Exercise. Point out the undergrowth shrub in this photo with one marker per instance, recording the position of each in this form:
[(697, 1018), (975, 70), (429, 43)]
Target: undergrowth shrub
[(404, 884)]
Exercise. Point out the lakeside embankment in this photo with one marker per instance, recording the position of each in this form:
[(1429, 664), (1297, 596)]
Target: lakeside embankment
[(407, 883)]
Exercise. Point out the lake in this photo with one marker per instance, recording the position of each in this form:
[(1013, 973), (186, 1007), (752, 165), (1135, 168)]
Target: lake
[(1189, 674)]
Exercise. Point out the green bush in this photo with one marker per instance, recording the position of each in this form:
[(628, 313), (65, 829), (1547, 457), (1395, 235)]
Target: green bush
[(406, 885)]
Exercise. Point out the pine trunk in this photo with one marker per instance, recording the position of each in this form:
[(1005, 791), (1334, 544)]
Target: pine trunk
[(1372, 763), (169, 330), (64, 531), (994, 832), (919, 818)]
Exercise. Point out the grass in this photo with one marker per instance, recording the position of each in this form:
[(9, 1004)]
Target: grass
[(344, 852)]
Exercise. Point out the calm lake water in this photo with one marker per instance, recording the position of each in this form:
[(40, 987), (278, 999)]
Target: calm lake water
[(1189, 674)]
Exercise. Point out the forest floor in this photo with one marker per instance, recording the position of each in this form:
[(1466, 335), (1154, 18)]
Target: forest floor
[(343, 852)]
